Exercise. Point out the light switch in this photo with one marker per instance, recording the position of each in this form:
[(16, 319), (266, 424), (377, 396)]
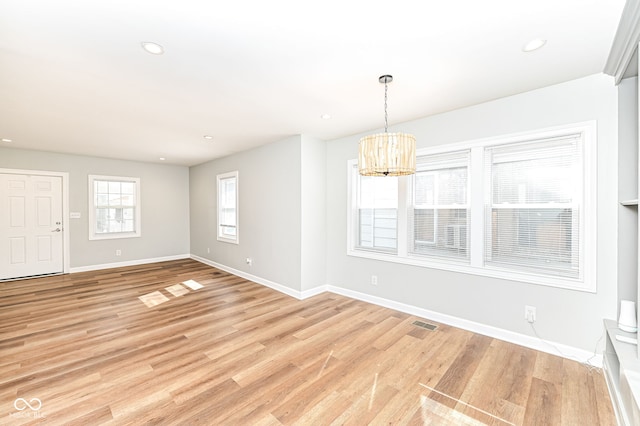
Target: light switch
[(75, 215)]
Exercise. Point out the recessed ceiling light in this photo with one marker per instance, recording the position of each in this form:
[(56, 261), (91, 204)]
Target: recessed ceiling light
[(6, 140), (325, 116), (534, 44), (153, 48), (162, 158), (208, 137)]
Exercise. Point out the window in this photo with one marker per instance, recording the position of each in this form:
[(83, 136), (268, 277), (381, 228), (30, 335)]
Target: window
[(114, 207), (438, 216), (228, 207), (535, 195), (519, 207), (377, 213)]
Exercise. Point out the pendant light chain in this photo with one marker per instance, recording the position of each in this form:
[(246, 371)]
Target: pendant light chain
[(386, 118)]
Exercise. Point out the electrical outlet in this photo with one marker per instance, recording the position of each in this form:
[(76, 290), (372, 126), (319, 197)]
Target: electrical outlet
[(374, 280), (249, 261), (530, 313), (208, 250), (118, 252)]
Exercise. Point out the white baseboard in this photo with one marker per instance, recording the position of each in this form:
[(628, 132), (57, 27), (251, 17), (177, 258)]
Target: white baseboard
[(313, 292), (127, 263), (256, 279), (531, 342)]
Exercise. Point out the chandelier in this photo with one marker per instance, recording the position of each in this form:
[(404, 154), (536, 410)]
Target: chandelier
[(387, 154)]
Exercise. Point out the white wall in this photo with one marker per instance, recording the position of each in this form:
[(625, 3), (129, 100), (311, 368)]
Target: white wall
[(269, 202), (312, 213), (164, 198), (568, 317)]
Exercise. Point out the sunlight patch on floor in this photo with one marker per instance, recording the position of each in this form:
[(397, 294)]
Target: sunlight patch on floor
[(177, 290), (436, 413), (156, 298), (153, 299), (325, 364), (373, 390), (193, 285)]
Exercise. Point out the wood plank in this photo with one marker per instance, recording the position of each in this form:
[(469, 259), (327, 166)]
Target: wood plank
[(544, 405), (578, 386)]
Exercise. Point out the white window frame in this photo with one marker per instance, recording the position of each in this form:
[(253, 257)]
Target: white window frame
[(219, 229), (478, 189), (93, 235)]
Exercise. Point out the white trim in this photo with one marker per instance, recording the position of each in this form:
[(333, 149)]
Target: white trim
[(313, 292), (92, 209), (625, 41), (588, 249), (128, 263), (617, 409), (478, 189), (531, 342), (66, 228), (275, 286)]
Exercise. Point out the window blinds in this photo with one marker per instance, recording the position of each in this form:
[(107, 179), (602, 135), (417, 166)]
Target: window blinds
[(534, 205)]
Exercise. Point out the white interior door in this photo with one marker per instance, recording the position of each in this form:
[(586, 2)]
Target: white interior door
[(31, 228)]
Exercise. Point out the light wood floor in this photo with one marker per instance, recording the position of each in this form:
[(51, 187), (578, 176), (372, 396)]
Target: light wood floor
[(235, 352)]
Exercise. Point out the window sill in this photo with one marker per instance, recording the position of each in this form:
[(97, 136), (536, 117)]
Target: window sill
[(114, 236), (228, 240), (487, 271)]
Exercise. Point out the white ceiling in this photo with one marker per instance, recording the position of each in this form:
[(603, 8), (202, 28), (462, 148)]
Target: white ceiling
[(74, 78)]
